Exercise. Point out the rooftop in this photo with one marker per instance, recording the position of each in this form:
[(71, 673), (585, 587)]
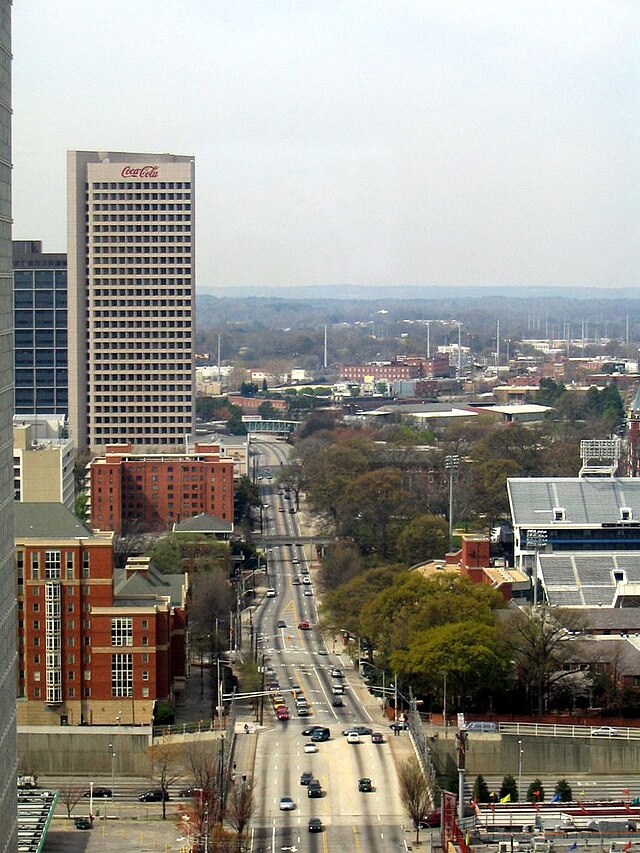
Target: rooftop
[(585, 500)]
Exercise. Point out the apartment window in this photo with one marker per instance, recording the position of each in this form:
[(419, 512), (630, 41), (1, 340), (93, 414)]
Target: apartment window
[(145, 624), (122, 675), (36, 693), (71, 641), (35, 565), (122, 631), (87, 675), (52, 564), (70, 607), (145, 641), (69, 565), (145, 675), (36, 607), (36, 625), (87, 641), (36, 658), (71, 658), (71, 676), (72, 692), (145, 658), (145, 692), (87, 692), (86, 565), (36, 676)]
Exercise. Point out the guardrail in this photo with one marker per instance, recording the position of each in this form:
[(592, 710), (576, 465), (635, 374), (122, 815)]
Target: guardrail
[(556, 730)]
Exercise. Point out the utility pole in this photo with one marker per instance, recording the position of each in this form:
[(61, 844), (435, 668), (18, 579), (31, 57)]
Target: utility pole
[(324, 362), (451, 464)]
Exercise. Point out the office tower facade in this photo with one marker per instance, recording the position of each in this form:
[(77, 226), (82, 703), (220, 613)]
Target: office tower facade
[(8, 649), (131, 299), (40, 312)]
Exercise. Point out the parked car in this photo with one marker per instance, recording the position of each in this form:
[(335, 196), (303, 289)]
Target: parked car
[(99, 793), (287, 804), (315, 824), (155, 795), (432, 819), (83, 823)]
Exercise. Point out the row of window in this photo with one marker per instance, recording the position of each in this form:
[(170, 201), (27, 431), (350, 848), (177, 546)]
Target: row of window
[(52, 565), (144, 217), (151, 265), (138, 185), (138, 196), (142, 238), (140, 229)]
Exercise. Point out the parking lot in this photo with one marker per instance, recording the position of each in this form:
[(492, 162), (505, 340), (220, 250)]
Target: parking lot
[(117, 836)]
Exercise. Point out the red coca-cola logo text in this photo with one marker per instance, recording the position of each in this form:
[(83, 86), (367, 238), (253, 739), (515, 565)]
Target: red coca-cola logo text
[(140, 172)]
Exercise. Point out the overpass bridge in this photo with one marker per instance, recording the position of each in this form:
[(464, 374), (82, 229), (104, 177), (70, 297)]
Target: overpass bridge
[(294, 539), (266, 425)]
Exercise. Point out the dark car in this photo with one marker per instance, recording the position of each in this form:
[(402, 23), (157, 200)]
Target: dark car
[(364, 784), (306, 778), (432, 819), (311, 729), (281, 623), (337, 702), (99, 793), (398, 727), (361, 730), (320, 734), (190, 792), (377, 737), (83, 823), (315, 824), (156, 795), (314, 789)]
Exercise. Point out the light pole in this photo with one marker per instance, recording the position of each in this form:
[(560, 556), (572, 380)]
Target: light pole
[(451, 463), (520, 753), (536, 539), (444, 699)]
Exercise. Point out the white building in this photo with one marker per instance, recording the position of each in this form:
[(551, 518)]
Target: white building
[(42, 468), (131, 299)]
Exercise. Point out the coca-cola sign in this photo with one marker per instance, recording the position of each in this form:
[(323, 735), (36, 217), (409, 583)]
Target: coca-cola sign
[(140, 172)]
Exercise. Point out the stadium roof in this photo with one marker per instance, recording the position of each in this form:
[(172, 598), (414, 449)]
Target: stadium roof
[(583, 579), (585, 501)]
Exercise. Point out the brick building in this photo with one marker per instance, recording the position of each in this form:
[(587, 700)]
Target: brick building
[(96, 646), (143, 492), (250, 405), (392, 372)]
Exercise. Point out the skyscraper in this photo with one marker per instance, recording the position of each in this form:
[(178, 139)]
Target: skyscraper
[(8, 649), (131, 299), (40, 304)]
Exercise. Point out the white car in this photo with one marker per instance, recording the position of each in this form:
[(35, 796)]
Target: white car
[(306, 580), (353, 737), (604, 731), (308, 591), (271, 593), (310, 747), (287, 804)]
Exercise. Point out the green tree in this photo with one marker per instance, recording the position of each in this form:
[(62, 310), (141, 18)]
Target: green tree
[(341, 562), (329, 470), (80, 507), (480, 790), (369, 507), (266, 410), (165, 556), (509, 788), (489, 488), (563, 791), (246, 496), (535, 792), (342, 606), (424, 538), (235, 424)]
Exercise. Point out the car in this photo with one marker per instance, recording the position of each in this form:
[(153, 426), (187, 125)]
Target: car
[(271, 593), (99, 793), (304, 570), (306, 777), (265, 506), (303, 711), (83, 823), (353, 737), (361, 730), (306, 581), (310, 747), (336, 673), (604, 731), (315, 824), (337, 688), (308, 591), (322, 651), (292, 510), (377, 737), (314, 789), (260, 477), (295, 686), (287, 804), (432, 820), (190, 792), (399, 726), (280, 509), (296, 581), (295, 561), (155, 795), (364, 785), (274, 684), (304, 626), (337, 702), (281, 623), (311, 729), (481, 727), (321, 734), (283, 714)]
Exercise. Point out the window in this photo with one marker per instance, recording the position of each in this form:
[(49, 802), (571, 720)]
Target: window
[(86, 565), (145, 641), (36, 607), (36, 693), (69, 565), (52, 564), (145, 692), (122, 631), (145, 675), (87, 675), (35, 565), (36, 625), (145, 624), (71, 658), (36, 658), (122, 675), (36, 676), (145, 658), (72, 692)]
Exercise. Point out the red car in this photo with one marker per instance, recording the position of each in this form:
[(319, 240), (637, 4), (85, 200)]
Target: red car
[(304, 626), (282, 713)]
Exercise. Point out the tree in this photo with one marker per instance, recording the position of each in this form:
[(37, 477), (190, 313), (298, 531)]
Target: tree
[(489, 488), (266, 410), (341, 607), (370, 506), (480, 790), (535, 792), (540, 642), (563, 791), (245, 497), (240, 805), (415, 792), (235, 424), (166, 766), (70, 794), (509, 788), (165, 556), (424, 538), (80, 506), (292, 476), (341, 562), (211, 599)]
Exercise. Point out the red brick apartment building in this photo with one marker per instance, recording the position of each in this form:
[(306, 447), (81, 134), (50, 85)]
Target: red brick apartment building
[(143, 492), (95, 646)]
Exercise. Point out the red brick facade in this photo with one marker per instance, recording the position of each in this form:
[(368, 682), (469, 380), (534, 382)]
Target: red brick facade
[(151, 493), (85, 657)]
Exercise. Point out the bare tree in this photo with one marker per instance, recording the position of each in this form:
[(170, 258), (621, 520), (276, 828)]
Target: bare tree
[(240, 805), (166, 764), (414, 792), (70, 794)]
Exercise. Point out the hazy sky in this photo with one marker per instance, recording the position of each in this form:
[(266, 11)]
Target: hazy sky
[(352, 141)]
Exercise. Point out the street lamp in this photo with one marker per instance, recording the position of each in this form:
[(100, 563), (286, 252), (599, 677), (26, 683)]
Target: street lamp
[(520, 754), (444, 698), (451, 463), (113, 769), (536, 539)]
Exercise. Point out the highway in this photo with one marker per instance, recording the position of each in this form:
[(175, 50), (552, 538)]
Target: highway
[(299, 660)]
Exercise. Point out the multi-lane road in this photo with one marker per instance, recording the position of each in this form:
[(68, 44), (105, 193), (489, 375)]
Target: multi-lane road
[(301, 664)]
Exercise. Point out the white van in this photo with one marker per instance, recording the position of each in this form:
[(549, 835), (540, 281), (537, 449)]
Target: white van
[(337, 689), (482, 727)]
